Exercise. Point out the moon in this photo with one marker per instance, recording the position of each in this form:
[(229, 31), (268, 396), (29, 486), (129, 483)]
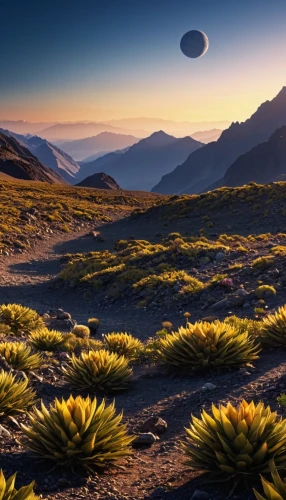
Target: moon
[(194, 44)]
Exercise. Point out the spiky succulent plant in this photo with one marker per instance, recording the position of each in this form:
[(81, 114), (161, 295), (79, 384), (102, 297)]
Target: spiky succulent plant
[(19, 356), (77, 432), (238, 441), (20, 319), (206, 345), (274, 328), (81, 331), (123, 344), (47, 340), (9, 492), (15, 395), (275, 490), (98, 370)]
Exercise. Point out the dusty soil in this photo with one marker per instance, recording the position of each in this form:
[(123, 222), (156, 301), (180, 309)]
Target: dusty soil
[(157, 472)]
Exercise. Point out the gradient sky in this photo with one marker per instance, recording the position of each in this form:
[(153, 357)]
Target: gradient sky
[(104, 59)]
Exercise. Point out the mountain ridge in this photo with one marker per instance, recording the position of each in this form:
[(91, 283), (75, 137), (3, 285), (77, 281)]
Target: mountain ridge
[(206, 166)]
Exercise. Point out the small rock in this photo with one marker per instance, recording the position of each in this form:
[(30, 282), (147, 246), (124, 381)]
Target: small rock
[(221, 304), (144, 439), (63, 315), (246, 305), (208, 387), (155, 425), (219, 256), (241, 292), (201, 495)]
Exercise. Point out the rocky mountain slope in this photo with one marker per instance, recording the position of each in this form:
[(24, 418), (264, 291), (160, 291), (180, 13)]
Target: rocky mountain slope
[(99, 181), (145, 162), (207, 165), (264, 163), (19, 163), (104, 142), (48, 154)]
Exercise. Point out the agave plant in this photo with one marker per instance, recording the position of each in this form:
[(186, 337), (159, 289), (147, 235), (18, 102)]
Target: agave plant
[(78, 432), (15, 395), (206, 345), (274, 330), (236, 441), (20, 319), (81, 331), (47, 340), (9, 492), (98, 370), (275, 490), (18, 355), (123, 344)]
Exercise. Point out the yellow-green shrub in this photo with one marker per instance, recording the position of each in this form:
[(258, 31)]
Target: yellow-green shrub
[(236, 442), (263, 290), (274, 328), (47, 340), (81, 331), (98, 370), (78, 432), (15, 395), (123, 344), (206, 345), (93, 324), (9, 492), (19, 355), (20, 319), (272, 491)]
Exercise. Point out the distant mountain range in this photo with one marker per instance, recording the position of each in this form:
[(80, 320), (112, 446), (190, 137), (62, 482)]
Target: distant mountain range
[(49, 155), (73, 131), (262, 164), (178, 129), (209, 164), (99, 181), (103, 143), (144, 163), (207, 136), (17, 162)]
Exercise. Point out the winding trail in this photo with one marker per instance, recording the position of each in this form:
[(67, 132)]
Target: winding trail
[(26, 279)]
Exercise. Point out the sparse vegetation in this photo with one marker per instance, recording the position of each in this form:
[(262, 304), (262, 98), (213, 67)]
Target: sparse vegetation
[(98, 370), (9, 492), (15, 395), (19, 356), (20, 319), (47, 340), (123, 344), (77, 431), (207, 345), (236, 442), (81, 331)]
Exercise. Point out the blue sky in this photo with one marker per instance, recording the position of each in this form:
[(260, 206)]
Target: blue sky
[(88, 59)]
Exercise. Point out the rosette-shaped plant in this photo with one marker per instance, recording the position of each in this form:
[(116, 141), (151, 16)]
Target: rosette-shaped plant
[(274, 328), (15, 395), (238, 441), (98, 370), (123, 344), (47, 340), (20, 319), (275, 490), (19, 356), (76, 432), (207, 345), (9, 492)]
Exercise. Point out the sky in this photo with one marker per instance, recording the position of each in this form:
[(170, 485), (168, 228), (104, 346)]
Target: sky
[(69, 60)]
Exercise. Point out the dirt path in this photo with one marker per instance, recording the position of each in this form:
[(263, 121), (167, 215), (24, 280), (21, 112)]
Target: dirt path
[(26, 279)]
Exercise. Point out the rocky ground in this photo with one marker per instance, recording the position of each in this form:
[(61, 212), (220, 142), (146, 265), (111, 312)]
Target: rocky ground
[(156, 471)]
